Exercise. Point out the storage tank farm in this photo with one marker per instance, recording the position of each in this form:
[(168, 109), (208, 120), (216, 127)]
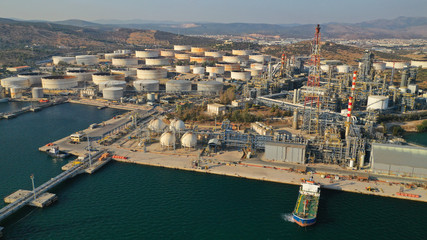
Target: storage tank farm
[(83, 75)]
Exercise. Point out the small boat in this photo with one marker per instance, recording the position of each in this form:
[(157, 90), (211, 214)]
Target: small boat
[(56, 153), (305, 213)]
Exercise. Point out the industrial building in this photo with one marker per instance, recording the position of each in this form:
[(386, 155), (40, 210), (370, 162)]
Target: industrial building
[(399, 160)]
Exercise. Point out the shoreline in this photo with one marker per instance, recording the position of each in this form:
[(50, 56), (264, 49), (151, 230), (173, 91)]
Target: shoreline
[(279, 175)]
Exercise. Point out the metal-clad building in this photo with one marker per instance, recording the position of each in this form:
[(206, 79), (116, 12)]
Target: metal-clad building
[(286, 152), (399, 160)]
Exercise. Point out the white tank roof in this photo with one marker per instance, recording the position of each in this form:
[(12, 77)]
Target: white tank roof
[(189, 139), (167, 139)]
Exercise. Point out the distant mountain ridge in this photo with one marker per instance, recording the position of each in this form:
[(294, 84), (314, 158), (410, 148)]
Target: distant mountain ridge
[(400, 27)]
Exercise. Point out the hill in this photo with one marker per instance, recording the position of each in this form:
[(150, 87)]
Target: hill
[(346, 54), (401, 27), (21, 40)]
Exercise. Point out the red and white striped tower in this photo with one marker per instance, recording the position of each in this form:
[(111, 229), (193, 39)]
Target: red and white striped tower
[(350, 103)]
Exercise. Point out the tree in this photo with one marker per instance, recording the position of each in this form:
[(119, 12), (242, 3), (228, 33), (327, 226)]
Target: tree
[(397, 131)]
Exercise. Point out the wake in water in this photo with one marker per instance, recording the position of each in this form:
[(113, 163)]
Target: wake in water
[(287, 217)]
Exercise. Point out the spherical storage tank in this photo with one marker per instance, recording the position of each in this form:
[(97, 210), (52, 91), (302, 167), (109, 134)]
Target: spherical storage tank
[(177, 125), (377, 102), (82, 75), (209, 87), (124, 61), (182, 69), (112, 93), (147, 54), (146, 85), (198, 70), (37, 92), (182, 47), (15, 82), (156, 125), (189, 140), (100, 77), (68, 60), (379, 66), (178, 86), (112, 83), (343, 68), (35, 78), (167, 139), (149, 73), (87, 59), (160, 61), (216, 70), (59, 82), (241, 75)]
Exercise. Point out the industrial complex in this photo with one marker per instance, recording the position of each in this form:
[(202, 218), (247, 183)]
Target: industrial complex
[(330, 122)]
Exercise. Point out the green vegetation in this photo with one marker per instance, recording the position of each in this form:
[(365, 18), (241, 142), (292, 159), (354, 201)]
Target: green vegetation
[(422, 127), (397, 131), (382, 118), (228, 96)]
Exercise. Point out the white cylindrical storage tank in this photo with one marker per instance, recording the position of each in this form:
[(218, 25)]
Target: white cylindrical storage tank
[(209, 87), (127, 72), (35, 78), (379, 66), (111, 83), (199, 70), (124, 62), (151, 97), (254, 71), (199, 59), (177, 125), (182, 69), (214, 54), (59, 82), (241, 75), (87, 60), (343, 68), (100, 77), (178, 86), (112, 93), (182, 47), (15, 92), (241, 52), (397, 65), (182, 56), (68, 60), (37, 92), (325, 68), (110, 56), (259, 58), (148, 73), (258, 66), (167, 139), (82, 75), (167, 53), (419, 63), (403, 89), (377, 102), (216, 70), (146, 85), (147, 54), (198, 49), (157, 61), (189, 140), (231, 59), (156, 125), (228, 67), (15, 82)]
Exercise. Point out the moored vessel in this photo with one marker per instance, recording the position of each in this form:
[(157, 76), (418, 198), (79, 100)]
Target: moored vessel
[(305, 212)]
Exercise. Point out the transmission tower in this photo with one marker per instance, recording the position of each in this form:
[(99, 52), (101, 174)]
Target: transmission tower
[(312, 101)]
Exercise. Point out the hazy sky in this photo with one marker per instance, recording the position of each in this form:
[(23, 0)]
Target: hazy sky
[(227, 11)]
